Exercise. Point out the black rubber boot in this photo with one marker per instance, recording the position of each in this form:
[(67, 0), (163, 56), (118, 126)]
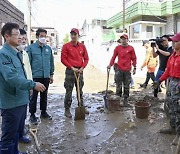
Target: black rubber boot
[(144, 85), (67, 113)]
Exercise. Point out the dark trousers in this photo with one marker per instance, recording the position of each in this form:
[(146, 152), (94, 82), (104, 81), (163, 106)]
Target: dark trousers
[(21, 133), (69, 83), (13, 121), (158, 75), (123, 79), (43, 96), (149, 76)]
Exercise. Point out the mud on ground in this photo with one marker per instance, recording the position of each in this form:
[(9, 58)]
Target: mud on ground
[(102, 132)]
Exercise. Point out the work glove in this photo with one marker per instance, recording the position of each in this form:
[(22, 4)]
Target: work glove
[(108, 67), (156, 84)]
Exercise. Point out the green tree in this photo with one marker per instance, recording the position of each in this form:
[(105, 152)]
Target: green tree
[(66, 38)]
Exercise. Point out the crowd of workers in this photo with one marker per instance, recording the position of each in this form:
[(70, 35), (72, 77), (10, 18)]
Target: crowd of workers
[(26, 70)]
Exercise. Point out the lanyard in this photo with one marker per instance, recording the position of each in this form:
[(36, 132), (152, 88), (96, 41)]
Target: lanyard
[(22, 65)]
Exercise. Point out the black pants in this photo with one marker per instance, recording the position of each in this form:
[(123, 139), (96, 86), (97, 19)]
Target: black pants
[(12, 124), (149, 76), (43, 96)]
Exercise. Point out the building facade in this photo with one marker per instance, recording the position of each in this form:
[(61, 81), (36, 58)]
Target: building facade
[(9, 13), (95, 32), (147, 19)]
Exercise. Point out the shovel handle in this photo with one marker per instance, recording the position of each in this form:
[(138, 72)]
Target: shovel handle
[(34, 134), (108, 71), (178, 147), (78, 87)]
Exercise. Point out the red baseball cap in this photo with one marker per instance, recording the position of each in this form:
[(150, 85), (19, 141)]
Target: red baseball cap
[(75, 30), (124, 36), (176, 37)]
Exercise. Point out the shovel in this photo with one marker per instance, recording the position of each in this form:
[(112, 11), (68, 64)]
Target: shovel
[(34, 134), (105, 97), (80, 110)]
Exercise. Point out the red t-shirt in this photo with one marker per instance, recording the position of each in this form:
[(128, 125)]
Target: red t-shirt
[(74, 55), (172, 68), (126, 57)]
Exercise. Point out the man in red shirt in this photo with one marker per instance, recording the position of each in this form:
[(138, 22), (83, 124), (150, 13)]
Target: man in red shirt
[(126, 58), (172, 73), (75, 57)]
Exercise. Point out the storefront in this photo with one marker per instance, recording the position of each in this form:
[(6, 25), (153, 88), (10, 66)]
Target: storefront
[(146, 30)]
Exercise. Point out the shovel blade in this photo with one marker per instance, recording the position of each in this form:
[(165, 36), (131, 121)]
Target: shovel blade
[(79, 113)]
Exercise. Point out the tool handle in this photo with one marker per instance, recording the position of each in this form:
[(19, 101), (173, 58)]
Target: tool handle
[(33, 133), (78, 87), (178, 147), (167, 87), (108, 71)]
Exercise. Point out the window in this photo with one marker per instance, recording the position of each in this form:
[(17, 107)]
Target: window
[(98, 22), (136, 31), (149, 28), (149, 31)]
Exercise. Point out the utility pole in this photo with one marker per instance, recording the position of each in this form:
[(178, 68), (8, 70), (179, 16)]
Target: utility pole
[(124, 14), (100, 15), (29, 21)]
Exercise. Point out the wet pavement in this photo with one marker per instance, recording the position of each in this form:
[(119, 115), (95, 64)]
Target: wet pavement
[(103, 131)]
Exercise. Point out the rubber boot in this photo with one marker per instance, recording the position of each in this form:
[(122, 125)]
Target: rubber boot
[(8, 149), (125, 103), (144, 85), (175, 141), (167, 131), (68, 113)]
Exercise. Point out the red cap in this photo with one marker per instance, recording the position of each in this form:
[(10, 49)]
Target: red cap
[(176, 37), (75, 30), (124, 36)]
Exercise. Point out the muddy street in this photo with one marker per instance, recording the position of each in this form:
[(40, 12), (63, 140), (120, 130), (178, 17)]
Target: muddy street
[(103, 131)]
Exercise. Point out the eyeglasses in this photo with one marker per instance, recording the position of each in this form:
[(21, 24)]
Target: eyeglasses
[(17, 34)]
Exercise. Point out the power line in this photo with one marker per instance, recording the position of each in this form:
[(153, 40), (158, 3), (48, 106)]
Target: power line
[(153, 13), (124, 10), (35, 19), (130, 12), (35, 6)]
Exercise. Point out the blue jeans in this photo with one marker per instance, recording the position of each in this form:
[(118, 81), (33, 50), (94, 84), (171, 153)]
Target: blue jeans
[(158, 75)]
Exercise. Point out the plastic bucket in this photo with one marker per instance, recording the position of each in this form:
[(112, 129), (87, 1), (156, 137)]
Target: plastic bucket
[(142, 110)]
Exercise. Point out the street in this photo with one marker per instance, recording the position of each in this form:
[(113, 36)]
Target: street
[(103, 132)]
